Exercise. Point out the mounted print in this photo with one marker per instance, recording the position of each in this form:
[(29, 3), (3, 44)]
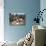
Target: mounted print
[(17, 19)]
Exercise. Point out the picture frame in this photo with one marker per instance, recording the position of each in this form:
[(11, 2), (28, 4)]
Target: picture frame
[(16, 19)]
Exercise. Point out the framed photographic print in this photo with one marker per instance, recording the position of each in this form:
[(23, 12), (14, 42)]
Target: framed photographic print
[(17, 19)]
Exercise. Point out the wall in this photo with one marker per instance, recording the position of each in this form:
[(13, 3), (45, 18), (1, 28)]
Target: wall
[(1, 21), (29, 7), (43, 6)]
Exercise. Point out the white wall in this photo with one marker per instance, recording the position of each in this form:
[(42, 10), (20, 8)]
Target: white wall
[(1, 20)]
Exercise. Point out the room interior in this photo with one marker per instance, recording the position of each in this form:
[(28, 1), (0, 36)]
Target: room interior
[(19, 35)]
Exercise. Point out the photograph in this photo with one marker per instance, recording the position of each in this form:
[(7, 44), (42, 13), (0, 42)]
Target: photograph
[(17, 19)]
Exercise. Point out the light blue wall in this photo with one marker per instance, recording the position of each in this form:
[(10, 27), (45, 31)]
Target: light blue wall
[(43, 6), (29, 7)]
